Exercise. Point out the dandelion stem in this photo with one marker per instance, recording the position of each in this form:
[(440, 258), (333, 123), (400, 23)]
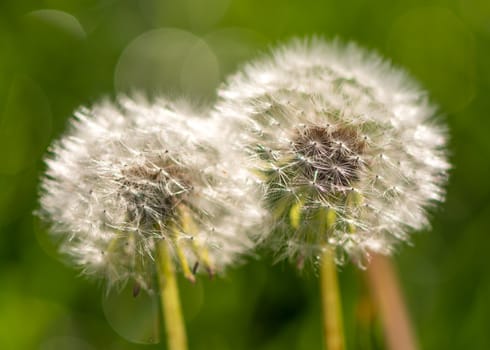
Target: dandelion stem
[(169, 294), (389, 299), (331, 304)]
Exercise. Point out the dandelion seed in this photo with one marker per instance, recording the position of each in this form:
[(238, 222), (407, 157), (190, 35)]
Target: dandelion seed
[(131, 175), (346, 147)]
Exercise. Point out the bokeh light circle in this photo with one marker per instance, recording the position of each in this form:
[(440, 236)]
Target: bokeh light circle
[(168, 60)]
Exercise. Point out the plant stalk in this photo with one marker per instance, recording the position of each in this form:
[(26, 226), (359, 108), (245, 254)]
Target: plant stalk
[(170, 301), (389, 300), (333, 329)]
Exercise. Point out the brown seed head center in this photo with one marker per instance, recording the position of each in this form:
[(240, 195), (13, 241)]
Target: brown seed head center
[(151, 192), (330, 156)]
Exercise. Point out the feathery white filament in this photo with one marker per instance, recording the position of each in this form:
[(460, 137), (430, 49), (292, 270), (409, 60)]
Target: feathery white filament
[(332, 127), (130, 174)]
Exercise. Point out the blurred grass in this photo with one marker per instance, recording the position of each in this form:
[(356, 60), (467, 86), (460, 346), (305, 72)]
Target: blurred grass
[(56, 55)]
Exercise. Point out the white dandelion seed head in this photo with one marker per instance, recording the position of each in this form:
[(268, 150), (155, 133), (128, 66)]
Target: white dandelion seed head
[(332, 128), (131, 174)]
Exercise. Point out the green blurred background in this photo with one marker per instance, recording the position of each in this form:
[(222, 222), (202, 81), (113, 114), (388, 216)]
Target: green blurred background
[(58, 54)]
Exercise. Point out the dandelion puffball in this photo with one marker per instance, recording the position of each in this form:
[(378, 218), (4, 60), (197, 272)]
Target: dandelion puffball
[(129, 175), (345, 145)]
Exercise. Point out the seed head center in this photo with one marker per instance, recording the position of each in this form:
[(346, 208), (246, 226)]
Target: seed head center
[(152, 192), (330, 156)]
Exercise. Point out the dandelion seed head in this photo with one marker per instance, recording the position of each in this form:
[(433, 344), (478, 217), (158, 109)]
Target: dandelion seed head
[(332, 129), (131, 174)]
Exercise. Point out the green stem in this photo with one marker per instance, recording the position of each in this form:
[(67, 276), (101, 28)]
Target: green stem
[(332, 309), (169, 293)]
